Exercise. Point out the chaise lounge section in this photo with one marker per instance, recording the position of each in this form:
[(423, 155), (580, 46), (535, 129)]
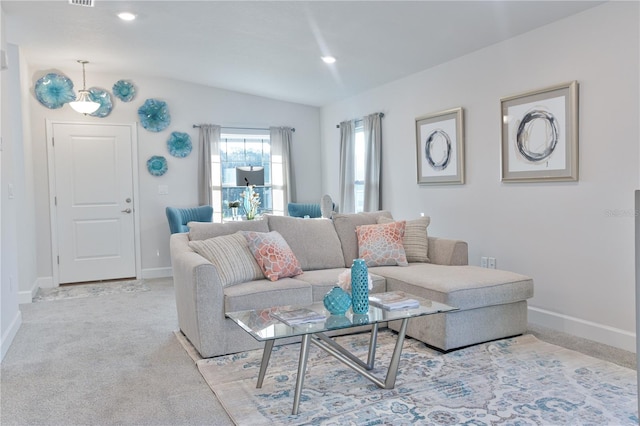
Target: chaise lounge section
[(492, 303)]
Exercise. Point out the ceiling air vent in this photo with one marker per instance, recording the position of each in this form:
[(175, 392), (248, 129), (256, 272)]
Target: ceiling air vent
[(87, 3)]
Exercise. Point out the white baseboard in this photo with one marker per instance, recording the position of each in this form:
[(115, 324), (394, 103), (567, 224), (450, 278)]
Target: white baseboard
[(157, 273), (44, 282), (10, 334), (26, 296), (585, 329)]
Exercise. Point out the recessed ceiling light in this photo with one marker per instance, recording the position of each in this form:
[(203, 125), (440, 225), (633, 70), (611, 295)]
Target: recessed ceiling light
[(126, 16), (328, 59)]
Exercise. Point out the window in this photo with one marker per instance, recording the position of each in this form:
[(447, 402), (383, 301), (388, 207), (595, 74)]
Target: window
[(360, 158), (359, 167), (244, 150)]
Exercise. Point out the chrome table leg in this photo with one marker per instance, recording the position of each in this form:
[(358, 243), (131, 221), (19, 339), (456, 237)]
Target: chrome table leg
[(390, 380), (266, 354), (352, 362), (302, 368), (337, 351)]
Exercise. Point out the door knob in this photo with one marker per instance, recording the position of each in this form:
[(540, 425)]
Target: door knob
[(128, 200), (126, 211)]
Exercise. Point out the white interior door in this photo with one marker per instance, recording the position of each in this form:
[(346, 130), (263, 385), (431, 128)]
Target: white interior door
[(93, 201)]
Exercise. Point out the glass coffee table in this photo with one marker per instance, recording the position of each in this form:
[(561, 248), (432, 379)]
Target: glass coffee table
[(265, 327)]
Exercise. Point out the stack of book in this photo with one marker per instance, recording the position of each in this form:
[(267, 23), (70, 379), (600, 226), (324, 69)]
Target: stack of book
[(393, 300), (298, 316)]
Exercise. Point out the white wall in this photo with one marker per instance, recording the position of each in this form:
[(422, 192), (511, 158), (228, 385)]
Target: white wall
[(564, 235), (188, 104), (10, 155)]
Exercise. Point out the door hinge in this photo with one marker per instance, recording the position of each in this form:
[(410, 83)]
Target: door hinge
[(55, 201), (53, 142), (58, 260)]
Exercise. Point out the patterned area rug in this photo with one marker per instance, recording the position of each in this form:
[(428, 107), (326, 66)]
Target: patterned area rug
[(518, 381), (76, 291)]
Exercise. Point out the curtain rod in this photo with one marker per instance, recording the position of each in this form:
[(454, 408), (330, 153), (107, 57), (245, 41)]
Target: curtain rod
[(381, 114), (196, 126)]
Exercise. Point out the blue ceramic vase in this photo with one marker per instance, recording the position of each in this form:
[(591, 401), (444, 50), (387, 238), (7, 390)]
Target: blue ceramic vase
[(337, 321), (359, 287), (337, 301), (360, 319)]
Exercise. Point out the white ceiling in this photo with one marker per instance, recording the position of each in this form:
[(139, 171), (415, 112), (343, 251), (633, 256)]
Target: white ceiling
[(269, 48)]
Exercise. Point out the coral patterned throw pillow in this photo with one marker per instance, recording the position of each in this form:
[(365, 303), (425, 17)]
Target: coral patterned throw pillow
[(381, 245), (273, 254)]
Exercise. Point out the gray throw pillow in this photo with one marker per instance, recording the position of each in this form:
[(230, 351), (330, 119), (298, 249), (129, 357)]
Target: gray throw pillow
[(345, 224)]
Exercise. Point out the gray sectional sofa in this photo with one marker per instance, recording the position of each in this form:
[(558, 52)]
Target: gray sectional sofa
[(492, 303)]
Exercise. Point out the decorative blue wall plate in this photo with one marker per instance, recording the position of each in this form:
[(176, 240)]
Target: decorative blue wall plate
[(124, 90), (54, 90), (104, 99), (157, 165), (179, 144), (154, 115)]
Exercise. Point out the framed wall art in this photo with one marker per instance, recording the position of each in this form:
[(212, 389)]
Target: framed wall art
[(440, 147), (540, 135)]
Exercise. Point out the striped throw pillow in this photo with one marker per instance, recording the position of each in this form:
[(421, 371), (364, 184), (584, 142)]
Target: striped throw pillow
[(231, 256), (415, 241)]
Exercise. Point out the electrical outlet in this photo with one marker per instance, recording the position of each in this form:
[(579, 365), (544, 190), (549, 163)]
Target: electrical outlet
[(484, 262), (421, 214), (492, 263), (163, 189)]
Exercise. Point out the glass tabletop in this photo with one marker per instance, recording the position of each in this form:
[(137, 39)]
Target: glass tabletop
[(263, 325)]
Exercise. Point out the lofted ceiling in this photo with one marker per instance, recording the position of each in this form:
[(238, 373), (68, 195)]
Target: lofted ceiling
[(270, 48)]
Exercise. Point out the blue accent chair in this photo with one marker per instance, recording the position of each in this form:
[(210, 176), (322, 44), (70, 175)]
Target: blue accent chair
[(325, 208), (178, 218), (304, 209)]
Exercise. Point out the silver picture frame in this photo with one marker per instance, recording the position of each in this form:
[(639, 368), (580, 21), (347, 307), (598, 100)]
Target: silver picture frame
[(440, 147), (540, 135)]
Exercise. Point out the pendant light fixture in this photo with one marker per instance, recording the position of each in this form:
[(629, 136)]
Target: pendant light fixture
[(83, 103)]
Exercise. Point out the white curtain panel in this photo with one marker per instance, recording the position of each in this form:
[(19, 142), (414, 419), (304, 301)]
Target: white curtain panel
[(347, 162), (372, 126), (209, 142), (281, 176)]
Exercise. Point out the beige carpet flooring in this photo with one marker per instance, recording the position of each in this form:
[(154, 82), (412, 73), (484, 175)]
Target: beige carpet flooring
[(111, 358), (104, 359)]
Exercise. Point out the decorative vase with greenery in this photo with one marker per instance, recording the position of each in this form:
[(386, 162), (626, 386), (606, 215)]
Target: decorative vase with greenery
[(251, 202)]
